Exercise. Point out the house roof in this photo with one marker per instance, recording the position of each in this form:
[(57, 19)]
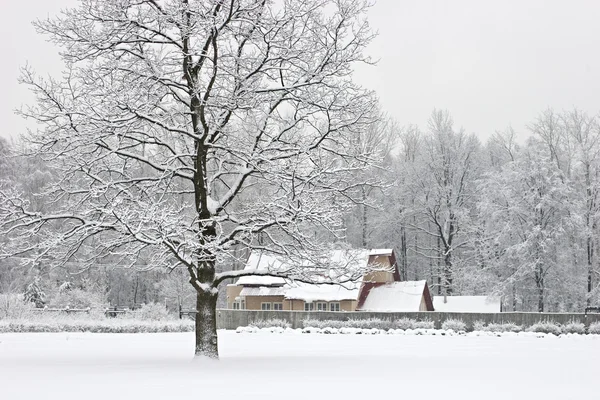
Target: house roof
[(310, 293), (381, 252), (263, 291), (339, 260), (476, 304), (395, 296)]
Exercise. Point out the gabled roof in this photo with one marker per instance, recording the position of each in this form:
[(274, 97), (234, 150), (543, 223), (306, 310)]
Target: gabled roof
[(351, 260), (310, 293), (381, 252), (395, 297), (476, 304)]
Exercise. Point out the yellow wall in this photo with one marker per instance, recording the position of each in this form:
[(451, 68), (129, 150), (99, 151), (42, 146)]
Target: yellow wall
[(254, 302), (233, 291), (379, 276)]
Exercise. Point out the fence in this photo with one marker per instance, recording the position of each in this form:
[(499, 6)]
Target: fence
[(231, 319), (109, 312)]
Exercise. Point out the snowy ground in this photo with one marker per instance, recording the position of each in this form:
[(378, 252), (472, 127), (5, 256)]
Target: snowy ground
[(297, 366)]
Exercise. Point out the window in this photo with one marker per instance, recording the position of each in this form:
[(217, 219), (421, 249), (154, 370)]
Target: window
[(334, 306), (265, 306), (277, 306), (321, 306), (309, 306), (238, 305)]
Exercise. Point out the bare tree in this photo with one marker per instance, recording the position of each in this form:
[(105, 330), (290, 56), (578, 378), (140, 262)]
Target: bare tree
[(168, 117), (445, 185)]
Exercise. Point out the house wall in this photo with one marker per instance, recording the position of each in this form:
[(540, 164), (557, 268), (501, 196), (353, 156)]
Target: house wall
[(254, 302), (379, 276), (233, 291), (423, 305)]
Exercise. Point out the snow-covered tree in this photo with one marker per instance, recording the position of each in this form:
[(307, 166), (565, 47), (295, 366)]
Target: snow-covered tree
[(183, 128), (443, 182), (527, 210)]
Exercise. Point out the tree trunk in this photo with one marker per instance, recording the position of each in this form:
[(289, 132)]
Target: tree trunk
[(448, 273), (364, 219), (514, 297), (539, 281), (403, 254), (590, 269), (206, 325)]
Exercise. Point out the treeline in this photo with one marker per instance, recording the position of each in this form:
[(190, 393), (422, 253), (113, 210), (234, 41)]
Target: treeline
[(515, 216)]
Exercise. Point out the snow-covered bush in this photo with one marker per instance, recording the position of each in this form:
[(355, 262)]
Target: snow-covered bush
[(271, 323), (35, 294), (321, 324), (425, 324), (505, 327), (574, 327), (479, 325), (594, 328), (14, 306), (152, 312), (113, 325), (456, 325), (67, 297), (546, 327), (404, 323), (371, 323)]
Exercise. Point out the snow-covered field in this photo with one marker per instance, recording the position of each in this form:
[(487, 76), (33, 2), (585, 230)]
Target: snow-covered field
[(297, 366)]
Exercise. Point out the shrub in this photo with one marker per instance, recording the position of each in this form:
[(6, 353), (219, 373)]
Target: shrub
[(371, 323), (425, 324), (152, 312), (271, 323), (14, 306), (79, 299), (479, 325), (546, 327), (594, 328), (506, 327), (105, 326), (574, 327), (404, 324), (456, 325)]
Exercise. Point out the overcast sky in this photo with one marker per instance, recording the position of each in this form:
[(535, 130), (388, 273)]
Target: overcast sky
[(490, 63)]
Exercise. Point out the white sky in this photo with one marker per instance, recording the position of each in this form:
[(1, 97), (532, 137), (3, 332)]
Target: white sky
[(490, 63)]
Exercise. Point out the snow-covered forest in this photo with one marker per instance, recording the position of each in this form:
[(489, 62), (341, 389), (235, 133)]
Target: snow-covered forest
[(506, 216)]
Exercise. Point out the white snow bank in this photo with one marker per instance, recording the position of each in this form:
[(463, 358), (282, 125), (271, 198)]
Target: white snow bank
[(476, 304)]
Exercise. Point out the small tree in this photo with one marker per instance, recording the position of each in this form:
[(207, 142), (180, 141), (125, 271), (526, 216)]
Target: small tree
[(184, 128), (35, 294)]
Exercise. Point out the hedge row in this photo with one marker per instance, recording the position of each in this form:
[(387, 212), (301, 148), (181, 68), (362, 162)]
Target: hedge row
[(102, 326), (455, 325)]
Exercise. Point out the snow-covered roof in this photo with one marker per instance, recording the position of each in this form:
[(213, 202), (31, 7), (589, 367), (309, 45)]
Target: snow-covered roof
[(263, 291), (310, 293), (395, 296), (339, 260), (262, 261), (381, 252), (476, 304)]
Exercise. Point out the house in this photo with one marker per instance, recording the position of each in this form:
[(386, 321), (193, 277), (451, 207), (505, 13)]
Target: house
[(274, 293), (475, 304), (396, 297)]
